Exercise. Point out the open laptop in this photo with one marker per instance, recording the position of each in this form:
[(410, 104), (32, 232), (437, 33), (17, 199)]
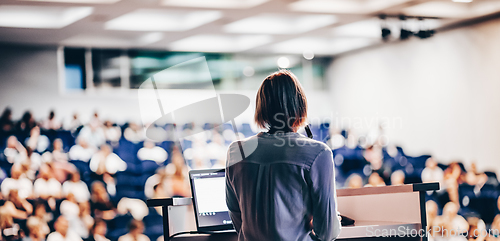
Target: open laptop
[(209, 200)]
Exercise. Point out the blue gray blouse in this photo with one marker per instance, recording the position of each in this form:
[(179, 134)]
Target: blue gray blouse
[(277, 183)]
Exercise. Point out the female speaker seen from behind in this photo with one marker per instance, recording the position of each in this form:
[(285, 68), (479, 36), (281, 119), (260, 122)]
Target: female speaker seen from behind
[(280, 185)]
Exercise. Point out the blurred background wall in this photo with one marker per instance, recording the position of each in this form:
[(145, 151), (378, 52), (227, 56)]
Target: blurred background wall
[(444, 88)]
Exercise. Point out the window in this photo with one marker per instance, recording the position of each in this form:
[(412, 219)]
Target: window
[(128, 69)]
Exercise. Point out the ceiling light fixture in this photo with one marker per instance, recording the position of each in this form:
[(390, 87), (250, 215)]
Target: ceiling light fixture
[(309, 55), (219, 43), (283, 62), (235, 4), (280, 24), (161, 20), (17, 16)]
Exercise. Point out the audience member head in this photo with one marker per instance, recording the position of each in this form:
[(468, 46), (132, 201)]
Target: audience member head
[(159, 191), (61, 225), (375, 180), (34, 225), (84, 209), (13, 196), (99, 227), (35, 131), (9, 229), (495, 225), (432, 209), (450, 210), (40, 210), (398, 178), (354, 181), (6, 220), (133, 126), (6, 115), (12, 142), (52, 115), (476, 225), (74, 176), (99, 193), (108, 124), (45, 171), (149, 144), (71, 197), (106, 149), (431, 163), (58, 144), (16, 171), (136, 227), (453, 172), (83, 142), (498, 203), (178, 160), (27, 121)]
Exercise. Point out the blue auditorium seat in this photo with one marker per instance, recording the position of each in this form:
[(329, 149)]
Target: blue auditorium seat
[(84, 169), (67, 139), (128, 179), (153, 224), (353, 160), (324, 132), (186, 144), (167, 146), (135, 191), (127, 150), (149, 167), (489, 191), (246, 130), (492, 178), (118, 226)]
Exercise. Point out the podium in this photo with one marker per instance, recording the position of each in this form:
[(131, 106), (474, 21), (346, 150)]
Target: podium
[(381, 213)]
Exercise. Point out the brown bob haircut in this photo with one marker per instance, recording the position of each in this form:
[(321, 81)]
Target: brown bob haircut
[(281, 102)]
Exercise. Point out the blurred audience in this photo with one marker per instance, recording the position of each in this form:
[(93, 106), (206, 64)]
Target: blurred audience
[(62, 231), (111, 132), (136, 230), (36, 231), (74, 185), (48, 187), (17, 181), (98, 232), (82, 151), (51, 123), (398, 178), (431, 172), (101, 204), (6, 123), (152, 152), (15, 151), (134, 133)]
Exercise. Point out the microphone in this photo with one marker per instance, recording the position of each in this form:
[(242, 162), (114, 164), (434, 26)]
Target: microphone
[(308, 131)]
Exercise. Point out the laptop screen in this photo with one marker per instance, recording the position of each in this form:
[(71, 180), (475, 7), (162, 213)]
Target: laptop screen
[(209, 197)]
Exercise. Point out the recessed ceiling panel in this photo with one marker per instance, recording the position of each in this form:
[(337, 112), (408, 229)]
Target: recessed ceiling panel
[(280, 23), (214, 3), (448, 9), (321, 45), (219, 43), (343, 6), (161, 20), (17, 16), (78, 1)]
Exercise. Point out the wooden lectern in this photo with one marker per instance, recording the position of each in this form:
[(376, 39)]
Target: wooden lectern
[(391, 212)]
